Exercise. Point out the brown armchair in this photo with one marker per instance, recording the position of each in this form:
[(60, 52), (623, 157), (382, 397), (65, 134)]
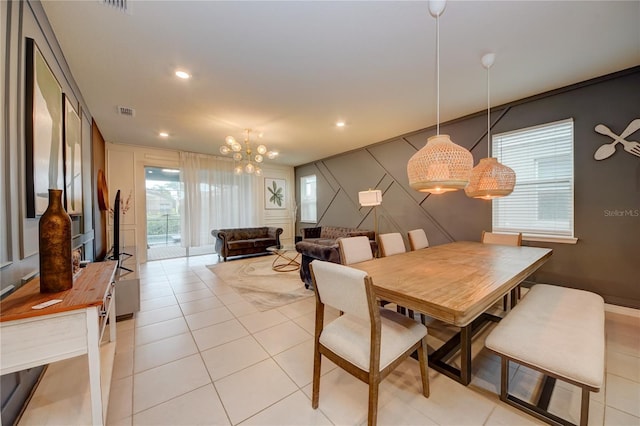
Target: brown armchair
[(322, 243)]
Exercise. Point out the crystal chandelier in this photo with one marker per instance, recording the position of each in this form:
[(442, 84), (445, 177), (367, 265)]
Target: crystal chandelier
[(245, 160)]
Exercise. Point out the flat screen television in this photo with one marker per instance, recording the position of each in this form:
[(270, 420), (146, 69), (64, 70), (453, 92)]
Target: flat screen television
[(116, 228), (117, 252)]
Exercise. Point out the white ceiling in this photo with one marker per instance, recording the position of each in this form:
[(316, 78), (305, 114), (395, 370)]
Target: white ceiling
[(292, 69)]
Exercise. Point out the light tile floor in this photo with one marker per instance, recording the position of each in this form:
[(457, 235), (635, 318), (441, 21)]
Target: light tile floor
[(198, 353), (171, 250)]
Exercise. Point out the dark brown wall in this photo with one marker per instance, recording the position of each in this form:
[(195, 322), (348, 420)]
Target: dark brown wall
[(605, 259)]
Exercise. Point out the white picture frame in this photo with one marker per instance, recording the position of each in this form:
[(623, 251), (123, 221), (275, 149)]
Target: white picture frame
[(275, 194)]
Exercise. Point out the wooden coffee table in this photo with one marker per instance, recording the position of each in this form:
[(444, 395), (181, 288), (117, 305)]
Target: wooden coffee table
[(286, 258)]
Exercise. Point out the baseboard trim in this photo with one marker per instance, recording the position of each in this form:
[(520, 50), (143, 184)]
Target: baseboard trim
[(622, 310)]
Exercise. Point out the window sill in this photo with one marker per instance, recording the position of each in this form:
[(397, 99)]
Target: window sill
[(550, 239)]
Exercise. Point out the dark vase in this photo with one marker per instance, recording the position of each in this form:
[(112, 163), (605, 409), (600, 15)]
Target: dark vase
[(55, 246)]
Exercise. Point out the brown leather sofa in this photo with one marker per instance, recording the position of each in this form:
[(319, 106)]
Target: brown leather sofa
[(322, 243), (243, 241)]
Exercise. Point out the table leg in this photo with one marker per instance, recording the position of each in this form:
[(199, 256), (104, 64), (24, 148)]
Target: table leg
[(93, 353), (514, 297), (289, 264), (460, 342), (465, 354)]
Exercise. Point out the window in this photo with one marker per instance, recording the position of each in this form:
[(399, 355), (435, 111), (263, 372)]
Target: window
[(541, 204), (308, 212)]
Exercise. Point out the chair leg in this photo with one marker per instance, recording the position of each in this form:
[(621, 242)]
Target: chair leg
[(373, 403), (423, 319), (519, 291), (424, 371), (410, 313), (505, 302), (317, 359), (584, 408)]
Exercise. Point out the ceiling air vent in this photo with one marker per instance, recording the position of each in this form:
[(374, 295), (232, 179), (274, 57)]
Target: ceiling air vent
[(126, 111), (122, 5)]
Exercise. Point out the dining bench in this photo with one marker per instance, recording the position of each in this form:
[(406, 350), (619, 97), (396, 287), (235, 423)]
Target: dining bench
[(559, 332)]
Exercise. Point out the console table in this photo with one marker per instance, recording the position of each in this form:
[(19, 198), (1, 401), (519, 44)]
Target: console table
[(65, 330)]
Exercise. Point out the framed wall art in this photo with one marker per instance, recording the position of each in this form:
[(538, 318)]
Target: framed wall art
[(43, 131), (274, 193), (72, 159)]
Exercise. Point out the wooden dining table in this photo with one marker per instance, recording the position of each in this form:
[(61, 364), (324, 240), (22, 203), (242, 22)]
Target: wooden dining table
[(455, 283)]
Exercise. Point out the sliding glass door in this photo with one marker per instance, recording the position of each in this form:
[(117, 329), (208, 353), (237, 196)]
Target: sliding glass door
[(164, 193)]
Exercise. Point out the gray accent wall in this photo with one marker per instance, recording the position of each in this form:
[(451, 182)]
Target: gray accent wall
[(19, 234), (606, 258)]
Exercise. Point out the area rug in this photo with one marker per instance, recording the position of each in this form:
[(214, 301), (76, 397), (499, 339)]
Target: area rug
[(265, 288)]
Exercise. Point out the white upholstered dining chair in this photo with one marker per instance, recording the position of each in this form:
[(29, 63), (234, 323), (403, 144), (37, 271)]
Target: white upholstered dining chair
[(418, 239), (354, 250), (505, 240), (391, 244), (367, 341)]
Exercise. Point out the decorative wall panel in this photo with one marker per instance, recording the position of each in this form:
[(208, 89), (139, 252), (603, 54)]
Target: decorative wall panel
[(607, 193)]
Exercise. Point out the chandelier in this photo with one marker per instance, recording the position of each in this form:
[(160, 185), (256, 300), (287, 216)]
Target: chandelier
[(245, 159)]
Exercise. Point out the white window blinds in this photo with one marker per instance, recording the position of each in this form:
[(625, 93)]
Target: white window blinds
[(308, 211), (542, 201)]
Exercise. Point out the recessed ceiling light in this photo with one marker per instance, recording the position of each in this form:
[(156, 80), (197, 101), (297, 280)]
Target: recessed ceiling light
[(183, 74), (163, 134), (340, 123)]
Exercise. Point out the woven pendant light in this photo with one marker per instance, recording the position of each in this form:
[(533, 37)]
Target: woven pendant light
[(441, 165), (490, 179)]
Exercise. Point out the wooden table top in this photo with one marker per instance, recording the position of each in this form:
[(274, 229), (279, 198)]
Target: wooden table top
[(89, 289), (453, 282)]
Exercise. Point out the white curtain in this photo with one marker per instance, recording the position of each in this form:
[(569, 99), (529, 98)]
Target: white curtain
[(213, 198)]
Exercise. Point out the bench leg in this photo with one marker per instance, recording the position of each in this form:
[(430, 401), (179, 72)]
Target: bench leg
[(536, 410), (504, 378)]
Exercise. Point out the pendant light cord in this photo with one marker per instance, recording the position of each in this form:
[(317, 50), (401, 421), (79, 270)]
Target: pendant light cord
[(488, 112), (438, 75)]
